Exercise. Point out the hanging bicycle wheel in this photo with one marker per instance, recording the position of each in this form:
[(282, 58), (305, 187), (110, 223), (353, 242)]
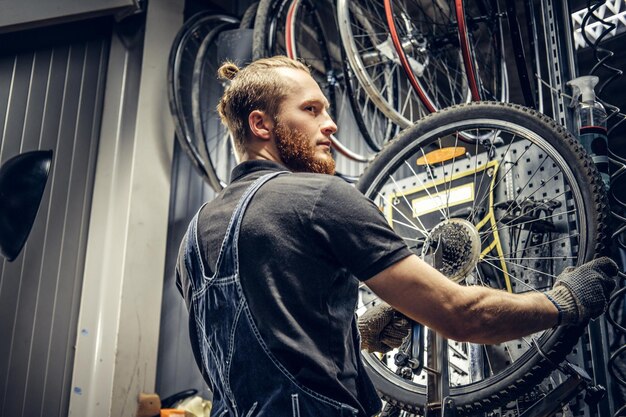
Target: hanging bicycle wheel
[(374, 62), (479, 24), (249, 16), (269, 24), (451, 52), (181, 63), (512, 209), (377, 129), (206, 91)]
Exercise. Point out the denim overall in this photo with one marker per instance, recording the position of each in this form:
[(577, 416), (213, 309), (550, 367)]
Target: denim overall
[(247, 378)]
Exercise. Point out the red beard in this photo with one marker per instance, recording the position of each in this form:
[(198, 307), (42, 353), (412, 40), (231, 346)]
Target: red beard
[(297, 154)]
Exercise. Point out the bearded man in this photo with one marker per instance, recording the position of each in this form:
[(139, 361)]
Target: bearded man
[(270, 268)]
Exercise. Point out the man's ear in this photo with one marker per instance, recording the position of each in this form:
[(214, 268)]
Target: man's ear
[(260, 124)]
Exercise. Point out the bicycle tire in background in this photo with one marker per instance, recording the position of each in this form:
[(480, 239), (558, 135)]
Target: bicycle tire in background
[(248, 17), (267, 14), (534, 185), (480, 24), (206, 90), (181, 63), (451, 51), (373, 61), (375, 127)]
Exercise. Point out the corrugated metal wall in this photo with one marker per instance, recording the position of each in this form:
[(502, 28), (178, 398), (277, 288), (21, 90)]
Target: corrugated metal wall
[(51, 92)]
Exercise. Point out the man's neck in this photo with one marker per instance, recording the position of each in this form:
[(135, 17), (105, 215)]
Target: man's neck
[(260, 154)]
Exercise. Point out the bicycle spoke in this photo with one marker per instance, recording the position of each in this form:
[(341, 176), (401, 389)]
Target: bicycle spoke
[(488, 357), (528, 197), (525, 258), (410, 226), (449, 190), (404, 216), (432, 178), (517, 280), (527, 268), (518, 224), (423, 230), (548, 242), (424, 186), (508, 170)]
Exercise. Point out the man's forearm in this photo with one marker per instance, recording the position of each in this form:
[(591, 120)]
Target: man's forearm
[(493, 316), (463, 313)]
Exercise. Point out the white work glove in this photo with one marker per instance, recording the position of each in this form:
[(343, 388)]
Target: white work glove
[(582, 293), (382, 328)]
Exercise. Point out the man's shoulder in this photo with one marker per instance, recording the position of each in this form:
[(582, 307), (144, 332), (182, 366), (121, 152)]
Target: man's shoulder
[(315, 188), (307, 180)]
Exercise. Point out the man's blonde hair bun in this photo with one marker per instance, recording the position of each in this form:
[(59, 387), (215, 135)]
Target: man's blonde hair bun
[(227, 71)]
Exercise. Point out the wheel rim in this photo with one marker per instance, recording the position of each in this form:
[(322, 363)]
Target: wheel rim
[(519, 155), (376, 127), (440, 53), (214, 136), (483, 23), (370, 53), (181, 66)]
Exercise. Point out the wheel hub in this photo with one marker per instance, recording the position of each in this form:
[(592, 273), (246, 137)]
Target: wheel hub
[(458, 242)]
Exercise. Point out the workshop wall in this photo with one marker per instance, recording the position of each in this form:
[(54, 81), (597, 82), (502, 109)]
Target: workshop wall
[(51, 93)]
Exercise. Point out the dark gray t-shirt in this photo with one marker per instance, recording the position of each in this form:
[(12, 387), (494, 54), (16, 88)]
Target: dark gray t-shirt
[(303, 240)]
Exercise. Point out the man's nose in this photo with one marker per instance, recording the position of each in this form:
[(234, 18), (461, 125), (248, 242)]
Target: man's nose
[(328, 126)]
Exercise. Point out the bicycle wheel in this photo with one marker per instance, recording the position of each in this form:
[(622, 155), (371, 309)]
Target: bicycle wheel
[(377, 129), (206, 91), (249, 16), (266, 41), (372, 59), (181, 63), (451, 53), (512, 209), (479, 24)]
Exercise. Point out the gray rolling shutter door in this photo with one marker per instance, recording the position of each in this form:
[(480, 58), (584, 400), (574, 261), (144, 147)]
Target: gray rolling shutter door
[(50, 98)]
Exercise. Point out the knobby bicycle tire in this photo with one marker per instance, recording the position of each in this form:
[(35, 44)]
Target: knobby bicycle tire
[(581, 219), (248, 17)]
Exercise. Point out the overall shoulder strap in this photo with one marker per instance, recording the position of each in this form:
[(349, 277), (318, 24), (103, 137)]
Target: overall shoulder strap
[(227, 261)]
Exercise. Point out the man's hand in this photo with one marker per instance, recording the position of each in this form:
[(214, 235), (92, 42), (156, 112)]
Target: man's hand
[(382, 328), (582, 293)]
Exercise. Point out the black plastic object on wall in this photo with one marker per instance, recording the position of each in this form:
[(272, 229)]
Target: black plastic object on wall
[(22, 182)]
